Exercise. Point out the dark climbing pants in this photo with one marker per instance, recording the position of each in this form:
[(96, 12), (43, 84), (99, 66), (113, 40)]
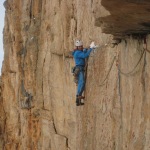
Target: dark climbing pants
[(81, 83)]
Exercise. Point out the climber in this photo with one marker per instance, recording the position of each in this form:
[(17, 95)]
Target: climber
[(79, 55)]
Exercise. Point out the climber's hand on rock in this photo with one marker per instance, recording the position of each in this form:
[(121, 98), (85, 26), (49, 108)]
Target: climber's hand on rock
[(92, 45)]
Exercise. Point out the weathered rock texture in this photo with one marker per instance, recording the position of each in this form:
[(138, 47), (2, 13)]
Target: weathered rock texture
[(38, 109), (123, 17)]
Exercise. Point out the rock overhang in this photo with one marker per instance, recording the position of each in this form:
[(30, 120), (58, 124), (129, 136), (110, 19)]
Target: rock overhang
[(124, 17)]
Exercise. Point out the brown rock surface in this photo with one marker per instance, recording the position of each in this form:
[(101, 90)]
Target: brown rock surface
[(38, 109), (124, 17)]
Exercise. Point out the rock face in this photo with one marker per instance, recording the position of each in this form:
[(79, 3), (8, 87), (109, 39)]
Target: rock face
[(124, 17), (38, 109)]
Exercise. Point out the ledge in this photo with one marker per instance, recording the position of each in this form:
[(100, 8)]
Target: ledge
[(125, 17)]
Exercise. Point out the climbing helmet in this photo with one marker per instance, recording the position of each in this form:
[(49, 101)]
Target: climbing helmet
[(78, 43)]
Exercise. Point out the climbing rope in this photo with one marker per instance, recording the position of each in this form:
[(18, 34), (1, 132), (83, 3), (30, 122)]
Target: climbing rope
[(144, 50), (110, 68), (103, 82), (122, 72), (131, 72), (111, 65), (145, 42)]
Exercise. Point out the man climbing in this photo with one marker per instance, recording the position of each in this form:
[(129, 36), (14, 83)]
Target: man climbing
[(79, 55)]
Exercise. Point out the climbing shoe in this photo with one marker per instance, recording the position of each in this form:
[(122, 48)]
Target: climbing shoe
[(81, 97), (77, 102), (80, 102)]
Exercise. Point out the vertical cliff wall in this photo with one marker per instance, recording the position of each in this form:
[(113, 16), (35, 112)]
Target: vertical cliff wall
[(38, 93)]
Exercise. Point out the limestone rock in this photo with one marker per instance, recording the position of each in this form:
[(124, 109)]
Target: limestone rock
[(124, 17), (38, 110)]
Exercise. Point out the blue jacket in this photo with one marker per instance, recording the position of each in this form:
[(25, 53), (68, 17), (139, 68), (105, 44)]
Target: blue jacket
[(80, 56)]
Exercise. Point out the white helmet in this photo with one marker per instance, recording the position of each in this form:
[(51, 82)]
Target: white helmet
[(78, 43)]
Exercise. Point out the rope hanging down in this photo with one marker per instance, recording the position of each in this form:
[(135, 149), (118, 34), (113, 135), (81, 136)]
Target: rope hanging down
[(145, 42), (131, 72), (110, 68), (124, 73), (144, 51), (103, 82)]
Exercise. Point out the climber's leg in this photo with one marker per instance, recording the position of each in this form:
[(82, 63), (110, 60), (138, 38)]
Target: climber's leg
[(80, 89), (81, 83)]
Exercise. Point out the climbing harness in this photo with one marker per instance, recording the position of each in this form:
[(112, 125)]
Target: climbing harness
[(75, 70)]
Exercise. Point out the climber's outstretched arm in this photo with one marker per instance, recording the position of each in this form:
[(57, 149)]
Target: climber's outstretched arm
[(83, 54)]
